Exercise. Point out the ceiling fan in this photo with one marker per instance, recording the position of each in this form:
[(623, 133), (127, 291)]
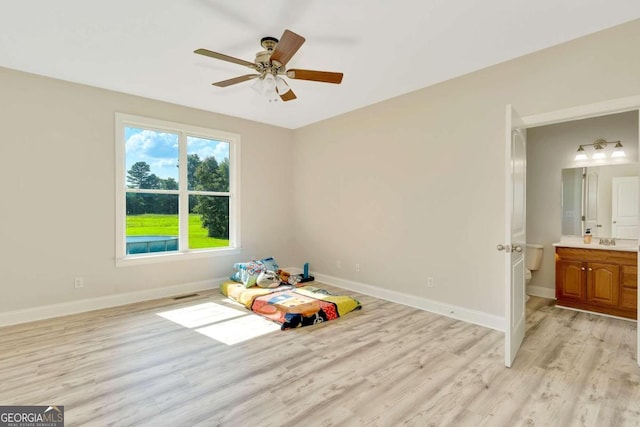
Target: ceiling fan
[(270, 65)]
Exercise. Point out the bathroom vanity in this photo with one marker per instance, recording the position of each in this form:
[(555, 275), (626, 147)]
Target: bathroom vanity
[(602, 279)]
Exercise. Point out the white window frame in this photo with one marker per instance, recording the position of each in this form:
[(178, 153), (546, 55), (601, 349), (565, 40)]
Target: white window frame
[(183, 131)]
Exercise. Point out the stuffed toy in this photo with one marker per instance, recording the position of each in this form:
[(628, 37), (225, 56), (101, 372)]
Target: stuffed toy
[(283, 276), (268, 279)]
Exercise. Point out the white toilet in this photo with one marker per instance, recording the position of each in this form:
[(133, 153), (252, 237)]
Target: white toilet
[(532, 260)]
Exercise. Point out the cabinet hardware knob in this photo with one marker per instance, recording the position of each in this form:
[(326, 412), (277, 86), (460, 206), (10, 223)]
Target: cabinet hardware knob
[(582, 269), (590, 269)]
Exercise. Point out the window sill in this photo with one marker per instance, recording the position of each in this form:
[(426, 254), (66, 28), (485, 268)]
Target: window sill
[(174, 256)]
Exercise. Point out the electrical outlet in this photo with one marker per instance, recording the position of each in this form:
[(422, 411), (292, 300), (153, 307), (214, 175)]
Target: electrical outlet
[(429, 282), (357, 268), (78, 282)]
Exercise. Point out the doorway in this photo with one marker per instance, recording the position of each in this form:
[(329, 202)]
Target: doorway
[(631, 105)]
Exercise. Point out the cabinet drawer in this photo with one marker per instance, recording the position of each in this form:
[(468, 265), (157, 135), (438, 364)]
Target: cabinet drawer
[(629, 276), (629, 298)]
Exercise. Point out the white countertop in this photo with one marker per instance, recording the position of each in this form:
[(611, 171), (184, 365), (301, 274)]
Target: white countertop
[(626, 245)]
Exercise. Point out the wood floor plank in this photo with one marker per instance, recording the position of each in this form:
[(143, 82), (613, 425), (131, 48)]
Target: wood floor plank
[(385, 365)]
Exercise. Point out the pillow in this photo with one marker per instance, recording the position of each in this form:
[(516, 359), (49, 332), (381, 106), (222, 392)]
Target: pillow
[(247, 272), (269, 263)]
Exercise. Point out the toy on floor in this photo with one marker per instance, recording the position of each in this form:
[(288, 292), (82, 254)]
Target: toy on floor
[(268, 279)]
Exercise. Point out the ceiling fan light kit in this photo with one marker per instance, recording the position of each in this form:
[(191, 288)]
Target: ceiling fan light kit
[(271, 86), (270, 64)]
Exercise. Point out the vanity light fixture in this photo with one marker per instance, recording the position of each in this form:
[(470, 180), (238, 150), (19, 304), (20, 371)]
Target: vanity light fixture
[(581, 154), (618, 151), (599, 145)]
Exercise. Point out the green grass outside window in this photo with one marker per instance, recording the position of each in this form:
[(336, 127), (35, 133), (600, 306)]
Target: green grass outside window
[(167, 225)]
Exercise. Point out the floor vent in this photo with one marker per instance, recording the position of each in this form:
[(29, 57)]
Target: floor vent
[(185, 296)]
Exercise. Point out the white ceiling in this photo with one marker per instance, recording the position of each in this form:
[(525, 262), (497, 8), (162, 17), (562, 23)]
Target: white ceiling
[(384, 48)]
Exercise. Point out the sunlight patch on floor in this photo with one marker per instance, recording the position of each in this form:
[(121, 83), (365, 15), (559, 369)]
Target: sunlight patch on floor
[(223, 324), (232, 302), (239, 329), (201, 314)]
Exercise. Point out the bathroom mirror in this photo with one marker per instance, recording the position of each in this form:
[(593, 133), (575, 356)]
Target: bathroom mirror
[(603, 199)]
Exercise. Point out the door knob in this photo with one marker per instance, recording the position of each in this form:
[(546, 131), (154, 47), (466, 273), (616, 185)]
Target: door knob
[(502, 247), (517, 248)]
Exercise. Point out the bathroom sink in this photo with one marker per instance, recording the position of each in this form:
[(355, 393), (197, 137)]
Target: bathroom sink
[(627, 246), (621, 245)]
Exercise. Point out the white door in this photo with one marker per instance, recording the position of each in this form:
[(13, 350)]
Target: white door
[(515, 230), (624, 207), (591, 202)]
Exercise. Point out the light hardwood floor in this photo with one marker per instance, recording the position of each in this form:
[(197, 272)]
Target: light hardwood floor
[(385, 365)]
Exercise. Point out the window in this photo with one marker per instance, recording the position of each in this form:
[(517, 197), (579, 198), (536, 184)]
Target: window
[(177, 190)]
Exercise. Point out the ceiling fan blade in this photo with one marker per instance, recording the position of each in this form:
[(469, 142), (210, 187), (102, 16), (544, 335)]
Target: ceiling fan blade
[(288, 45), (288, 96), (224, 57), (316, 76), (236, 80)]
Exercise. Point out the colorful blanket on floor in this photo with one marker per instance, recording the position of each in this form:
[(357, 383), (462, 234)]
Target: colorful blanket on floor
[(292, 307)]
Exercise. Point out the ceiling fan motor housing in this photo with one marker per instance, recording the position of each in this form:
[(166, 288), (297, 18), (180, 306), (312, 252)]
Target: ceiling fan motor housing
[(263, 58), (265, 64)]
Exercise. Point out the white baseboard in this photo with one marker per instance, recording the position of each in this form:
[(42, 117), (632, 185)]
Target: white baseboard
[(539, 291), (80, 306), (453, 311)]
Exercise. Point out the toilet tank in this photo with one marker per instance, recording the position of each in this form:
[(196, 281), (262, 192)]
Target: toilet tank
[(533, 256)]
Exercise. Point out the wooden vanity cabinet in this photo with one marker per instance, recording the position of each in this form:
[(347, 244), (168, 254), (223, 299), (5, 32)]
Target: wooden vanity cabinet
[(597, 280)]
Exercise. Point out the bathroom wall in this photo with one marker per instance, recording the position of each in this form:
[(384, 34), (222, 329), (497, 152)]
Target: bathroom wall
[(549, 150)]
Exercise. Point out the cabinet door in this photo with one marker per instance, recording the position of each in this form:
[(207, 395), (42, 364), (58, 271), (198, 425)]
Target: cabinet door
[(571, 281), (603, 284)]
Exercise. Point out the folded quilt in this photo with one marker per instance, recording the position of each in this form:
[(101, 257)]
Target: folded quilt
[(292, 307), (245, 296)]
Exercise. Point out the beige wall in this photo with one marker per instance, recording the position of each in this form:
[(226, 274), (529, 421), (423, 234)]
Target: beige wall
[(408, 188), (414, 186), (549, 150), (57, 216)]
